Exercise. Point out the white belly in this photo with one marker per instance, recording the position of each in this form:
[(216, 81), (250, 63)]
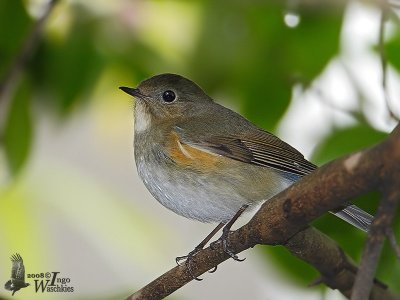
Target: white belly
[(204, 197), (195, 198)]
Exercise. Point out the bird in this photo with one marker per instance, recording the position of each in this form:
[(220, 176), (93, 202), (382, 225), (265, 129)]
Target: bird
[(206, 162), (17, 280)]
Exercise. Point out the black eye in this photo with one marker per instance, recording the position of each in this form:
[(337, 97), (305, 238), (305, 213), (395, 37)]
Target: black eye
[(168, 96)]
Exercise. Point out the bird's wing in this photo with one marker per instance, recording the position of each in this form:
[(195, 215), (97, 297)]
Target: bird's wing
[(18, 269), (253, 146)]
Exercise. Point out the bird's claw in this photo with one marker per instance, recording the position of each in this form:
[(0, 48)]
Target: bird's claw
[(223, 239), (181, 258), (213, 269), (188, 262), (225, 246)]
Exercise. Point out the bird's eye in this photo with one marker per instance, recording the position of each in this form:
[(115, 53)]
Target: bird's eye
[(168, 96)]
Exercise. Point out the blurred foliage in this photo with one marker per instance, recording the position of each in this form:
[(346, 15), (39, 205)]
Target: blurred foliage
[(14, 25), (337, 144), (68, 68), (18, 129), (250, 51), (392, 50), (243, 50)]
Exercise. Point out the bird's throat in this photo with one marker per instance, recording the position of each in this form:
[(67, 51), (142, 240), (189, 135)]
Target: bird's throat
[(142, 117)]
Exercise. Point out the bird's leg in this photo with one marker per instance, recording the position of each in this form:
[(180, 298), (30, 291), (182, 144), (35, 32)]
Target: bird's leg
[(189, 256), (225, 234), (201, 245)]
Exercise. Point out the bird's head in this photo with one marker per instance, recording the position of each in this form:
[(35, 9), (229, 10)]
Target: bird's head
[(166, 97)]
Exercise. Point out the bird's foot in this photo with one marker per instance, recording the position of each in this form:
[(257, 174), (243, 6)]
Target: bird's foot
[(226, 246), (188, 259)]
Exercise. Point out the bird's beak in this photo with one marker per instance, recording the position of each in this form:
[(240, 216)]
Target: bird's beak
[(133, 92)]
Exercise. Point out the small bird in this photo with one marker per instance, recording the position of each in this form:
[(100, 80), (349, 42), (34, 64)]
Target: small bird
[(206, 162), (17, 280)]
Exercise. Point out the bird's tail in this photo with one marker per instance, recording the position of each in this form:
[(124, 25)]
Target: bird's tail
[(356, 217)]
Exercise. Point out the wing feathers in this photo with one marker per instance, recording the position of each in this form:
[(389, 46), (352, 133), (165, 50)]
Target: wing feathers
[(282, 160), (18, 269), (259, 148), (232, 148)]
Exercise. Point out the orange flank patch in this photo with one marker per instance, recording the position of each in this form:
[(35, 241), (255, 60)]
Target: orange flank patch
[(189, 156)]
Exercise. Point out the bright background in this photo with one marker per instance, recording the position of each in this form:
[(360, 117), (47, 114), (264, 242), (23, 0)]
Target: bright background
[(70, 197)]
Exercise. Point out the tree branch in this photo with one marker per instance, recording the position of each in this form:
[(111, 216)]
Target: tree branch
[(337, 270), (283, 220), (381, 226), (378, 231), (381, 48), (21, 58), (392, 240)]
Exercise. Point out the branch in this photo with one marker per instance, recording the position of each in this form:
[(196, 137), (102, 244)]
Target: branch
[(393, 243), (376, 237), (337, 270), (381, 226), (383, 60), (22, 57), (283, 220)]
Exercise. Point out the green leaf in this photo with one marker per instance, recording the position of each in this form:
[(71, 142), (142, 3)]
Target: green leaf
[(18, 129), (298, 270), (68, 68), (392, 50), (14, 25), (249, 51), (310, 46), (347, 140)]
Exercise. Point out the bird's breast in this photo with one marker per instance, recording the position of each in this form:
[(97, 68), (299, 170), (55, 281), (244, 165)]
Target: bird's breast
[(178, 183), (189, 157), (197, 184)]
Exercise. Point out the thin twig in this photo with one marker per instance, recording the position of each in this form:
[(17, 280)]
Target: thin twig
[(21, 58), (381, 226), (325, 99), (361, 96), (383, 220), (382, 55), (393, 243)]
